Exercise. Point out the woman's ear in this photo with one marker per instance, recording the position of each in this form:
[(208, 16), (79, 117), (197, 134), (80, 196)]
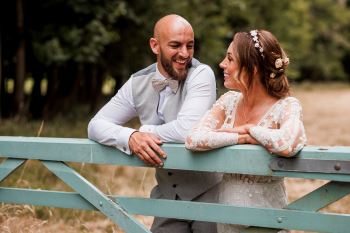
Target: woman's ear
[(255, 70), (153, 42)]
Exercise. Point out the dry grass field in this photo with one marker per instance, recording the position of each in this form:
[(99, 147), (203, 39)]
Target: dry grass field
[(327, 121)]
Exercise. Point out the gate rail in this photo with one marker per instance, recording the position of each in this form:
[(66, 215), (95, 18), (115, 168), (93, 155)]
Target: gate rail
[(326, 163)]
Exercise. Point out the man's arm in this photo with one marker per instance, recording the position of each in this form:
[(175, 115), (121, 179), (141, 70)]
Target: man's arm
[(106, 128), (201, 94)]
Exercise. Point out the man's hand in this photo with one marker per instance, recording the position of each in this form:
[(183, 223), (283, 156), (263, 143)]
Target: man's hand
[(146, 147)]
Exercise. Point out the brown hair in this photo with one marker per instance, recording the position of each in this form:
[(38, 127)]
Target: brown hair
[(249, 57)]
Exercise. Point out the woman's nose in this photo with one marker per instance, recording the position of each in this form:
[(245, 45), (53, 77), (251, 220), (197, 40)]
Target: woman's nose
[(222, 65)]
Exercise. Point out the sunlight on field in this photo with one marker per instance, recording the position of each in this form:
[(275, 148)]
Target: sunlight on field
[(327, 121)]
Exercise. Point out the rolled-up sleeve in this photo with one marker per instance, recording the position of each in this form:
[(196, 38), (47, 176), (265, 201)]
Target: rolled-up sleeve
[(106, 126)]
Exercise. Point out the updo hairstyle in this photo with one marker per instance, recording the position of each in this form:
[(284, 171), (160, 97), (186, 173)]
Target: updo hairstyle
[(264, 53)]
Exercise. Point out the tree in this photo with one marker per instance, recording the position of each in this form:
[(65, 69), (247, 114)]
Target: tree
[(75, 45)]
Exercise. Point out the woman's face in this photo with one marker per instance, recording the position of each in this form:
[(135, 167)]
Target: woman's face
[(230, 67)]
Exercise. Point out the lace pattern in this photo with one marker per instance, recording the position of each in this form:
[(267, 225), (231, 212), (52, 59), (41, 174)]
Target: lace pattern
[(204, 137), (280, 130)]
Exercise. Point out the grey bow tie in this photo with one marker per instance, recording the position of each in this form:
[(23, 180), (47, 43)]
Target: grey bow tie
[(159, 85)]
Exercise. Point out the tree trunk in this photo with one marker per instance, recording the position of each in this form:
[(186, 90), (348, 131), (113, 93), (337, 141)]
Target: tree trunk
[(36, 103), (52, 92), (1, 77), (20, 64), (95, 88)]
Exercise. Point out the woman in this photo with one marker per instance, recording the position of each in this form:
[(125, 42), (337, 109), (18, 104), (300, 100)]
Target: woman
[(262, 112)]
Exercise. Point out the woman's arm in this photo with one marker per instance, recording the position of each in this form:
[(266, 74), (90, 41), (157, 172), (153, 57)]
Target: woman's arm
[(289, 138), (205, 135)]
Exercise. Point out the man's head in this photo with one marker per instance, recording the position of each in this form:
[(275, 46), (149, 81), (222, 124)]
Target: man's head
[(173, 43)]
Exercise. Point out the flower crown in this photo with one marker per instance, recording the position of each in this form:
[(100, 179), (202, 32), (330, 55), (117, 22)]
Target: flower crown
[(257, 45), (279, 62)]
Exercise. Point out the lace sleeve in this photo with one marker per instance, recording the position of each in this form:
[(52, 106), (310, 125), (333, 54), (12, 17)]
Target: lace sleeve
[(290, 137), (204, 136)]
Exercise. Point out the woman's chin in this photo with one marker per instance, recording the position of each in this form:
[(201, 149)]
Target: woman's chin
[(230, 86)]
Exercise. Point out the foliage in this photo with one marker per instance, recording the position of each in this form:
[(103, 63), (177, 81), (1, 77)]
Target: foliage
[(76, 45), (81, 39), (315, 33)]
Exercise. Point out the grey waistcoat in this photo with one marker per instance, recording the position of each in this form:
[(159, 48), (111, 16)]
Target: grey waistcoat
[(186, 184)]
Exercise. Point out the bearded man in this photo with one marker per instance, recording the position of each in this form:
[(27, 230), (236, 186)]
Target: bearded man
[(169, 97)]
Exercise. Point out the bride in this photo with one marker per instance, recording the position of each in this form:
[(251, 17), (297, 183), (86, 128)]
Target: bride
[(257, 110)]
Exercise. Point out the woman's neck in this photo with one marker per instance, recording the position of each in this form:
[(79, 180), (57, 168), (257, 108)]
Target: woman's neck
[(256, 96)]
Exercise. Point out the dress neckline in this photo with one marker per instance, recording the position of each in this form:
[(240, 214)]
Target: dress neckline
[(273, 106)]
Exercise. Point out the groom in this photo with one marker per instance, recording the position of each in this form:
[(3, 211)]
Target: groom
[(168, 96)]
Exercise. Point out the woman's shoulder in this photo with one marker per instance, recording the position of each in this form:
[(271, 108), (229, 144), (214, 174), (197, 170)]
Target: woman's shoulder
[(228, 100), (291, 100), (231, 95)]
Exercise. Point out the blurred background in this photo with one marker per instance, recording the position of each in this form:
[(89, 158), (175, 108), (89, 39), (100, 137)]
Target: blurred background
[(61, 60)]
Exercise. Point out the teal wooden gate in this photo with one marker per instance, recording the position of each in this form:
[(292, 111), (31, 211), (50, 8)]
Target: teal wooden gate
[(332, 163)]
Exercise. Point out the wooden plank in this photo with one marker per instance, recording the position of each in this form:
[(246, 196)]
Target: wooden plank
[(264, 217), (245, 159), (98, 199), (313, 201), (49, 198), (8, 166), (321, 197)]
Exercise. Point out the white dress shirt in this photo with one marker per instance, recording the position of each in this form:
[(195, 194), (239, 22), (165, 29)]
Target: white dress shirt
[(106, 126)]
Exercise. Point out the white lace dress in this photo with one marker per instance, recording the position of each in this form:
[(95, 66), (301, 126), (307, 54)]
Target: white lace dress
[(280, 131)]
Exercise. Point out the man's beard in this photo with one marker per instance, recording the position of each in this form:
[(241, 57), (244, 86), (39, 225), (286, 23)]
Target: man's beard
[(177, 75)]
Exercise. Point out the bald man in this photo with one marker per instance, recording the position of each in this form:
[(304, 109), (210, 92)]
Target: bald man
[(169, 97)]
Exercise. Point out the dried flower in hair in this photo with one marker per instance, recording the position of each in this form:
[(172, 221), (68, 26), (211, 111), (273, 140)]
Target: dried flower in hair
[(278, 63), (286, 61), (272, 75)]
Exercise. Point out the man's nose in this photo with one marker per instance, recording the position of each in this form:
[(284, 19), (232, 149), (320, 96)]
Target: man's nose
[(184, 52)]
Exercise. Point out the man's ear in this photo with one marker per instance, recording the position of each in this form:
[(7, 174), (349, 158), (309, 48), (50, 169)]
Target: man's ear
[(153, 42)]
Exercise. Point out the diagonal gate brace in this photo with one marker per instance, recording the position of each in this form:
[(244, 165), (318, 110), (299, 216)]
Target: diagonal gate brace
[(8, 166), (97, 198)]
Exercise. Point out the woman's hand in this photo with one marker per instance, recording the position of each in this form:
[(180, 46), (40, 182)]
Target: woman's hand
[(243, 134), (247, 139), (243, 129)]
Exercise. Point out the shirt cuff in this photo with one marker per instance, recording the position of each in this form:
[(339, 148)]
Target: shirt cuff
[(148, 129), (123, 139)]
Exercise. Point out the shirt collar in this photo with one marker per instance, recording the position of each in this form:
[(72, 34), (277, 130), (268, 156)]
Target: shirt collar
[(158, 74)]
